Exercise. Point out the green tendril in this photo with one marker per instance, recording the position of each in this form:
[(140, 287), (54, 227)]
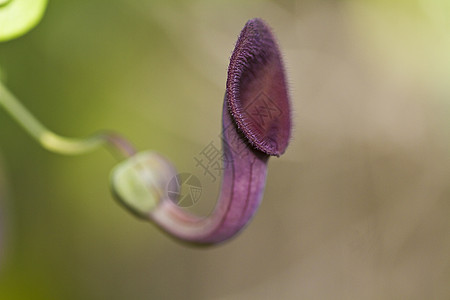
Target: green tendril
[(54, 142)]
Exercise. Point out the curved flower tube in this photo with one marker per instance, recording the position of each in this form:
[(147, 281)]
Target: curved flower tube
[(256, 124)]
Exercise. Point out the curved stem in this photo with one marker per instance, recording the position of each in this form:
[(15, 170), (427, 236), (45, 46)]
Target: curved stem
[(241, 193), (141, 184), (257, 123), (56, 143)]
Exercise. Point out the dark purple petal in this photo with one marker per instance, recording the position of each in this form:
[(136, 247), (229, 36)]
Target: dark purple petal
[(256, 89)]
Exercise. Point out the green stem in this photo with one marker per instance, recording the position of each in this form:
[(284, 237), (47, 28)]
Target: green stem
[(57, 143)]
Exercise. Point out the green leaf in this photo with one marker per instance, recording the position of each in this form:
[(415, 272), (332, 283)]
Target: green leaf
[(17, 17)]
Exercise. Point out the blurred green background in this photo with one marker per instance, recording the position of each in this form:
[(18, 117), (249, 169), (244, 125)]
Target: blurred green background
[(358, 207)]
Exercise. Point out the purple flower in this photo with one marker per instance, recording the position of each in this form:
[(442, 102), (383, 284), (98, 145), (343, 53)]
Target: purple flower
[(256, 124), (256, 90)]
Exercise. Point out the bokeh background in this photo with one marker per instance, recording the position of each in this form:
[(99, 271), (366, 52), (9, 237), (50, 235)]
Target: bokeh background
[(358, 207)]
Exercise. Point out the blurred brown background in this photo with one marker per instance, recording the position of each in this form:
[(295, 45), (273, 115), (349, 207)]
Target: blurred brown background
[(358, 207)]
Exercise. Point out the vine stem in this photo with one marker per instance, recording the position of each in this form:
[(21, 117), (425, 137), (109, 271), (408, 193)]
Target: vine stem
[(54, 142)]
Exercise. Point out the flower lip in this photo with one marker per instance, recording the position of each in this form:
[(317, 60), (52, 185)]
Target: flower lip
[(256, 89)]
